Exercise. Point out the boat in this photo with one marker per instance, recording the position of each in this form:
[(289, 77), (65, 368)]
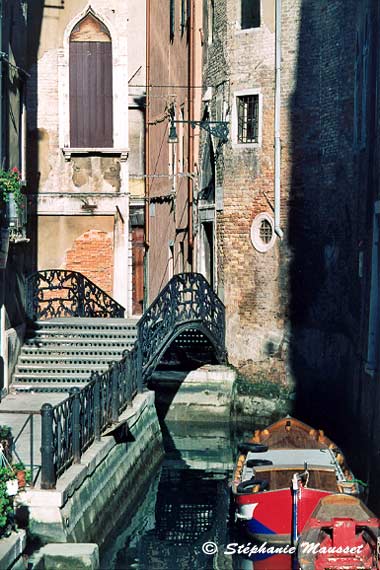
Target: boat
[(281, 474), (341, 533)]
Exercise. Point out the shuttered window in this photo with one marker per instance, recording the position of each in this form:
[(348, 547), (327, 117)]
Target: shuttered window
[(91, 120)]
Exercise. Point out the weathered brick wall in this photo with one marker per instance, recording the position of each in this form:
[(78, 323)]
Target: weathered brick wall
[(293, 313), (95, 181), (300, 312), (248, 280), (92, 255)]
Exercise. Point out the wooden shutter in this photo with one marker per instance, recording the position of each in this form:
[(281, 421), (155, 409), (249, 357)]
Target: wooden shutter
[(91, 94)]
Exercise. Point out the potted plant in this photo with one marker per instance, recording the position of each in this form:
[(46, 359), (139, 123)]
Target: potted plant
[(6, 442), (10, 185), (20, 472)]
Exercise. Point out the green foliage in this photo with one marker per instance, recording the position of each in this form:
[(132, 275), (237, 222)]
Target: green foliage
[(5, 501), (10, 183), (5, 431), (28, 476)]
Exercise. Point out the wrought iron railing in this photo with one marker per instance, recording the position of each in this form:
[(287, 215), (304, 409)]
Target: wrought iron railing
[(64, 293), (70, 427), (187, 301)]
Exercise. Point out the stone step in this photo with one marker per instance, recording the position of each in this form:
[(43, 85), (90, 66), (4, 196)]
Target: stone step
[(73, 351), (32, 378), (42, 387), (39, 369), (80, 342), (80, 322), (74, 334), (38, 359)]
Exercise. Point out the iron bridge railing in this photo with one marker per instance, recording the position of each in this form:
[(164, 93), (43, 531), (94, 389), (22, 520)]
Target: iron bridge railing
[(187, 301), (64, 293), (70, 427)]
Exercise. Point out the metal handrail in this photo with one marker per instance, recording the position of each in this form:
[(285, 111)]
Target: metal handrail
[(64, 293), (30, 420), (187, 300), (70, 427)]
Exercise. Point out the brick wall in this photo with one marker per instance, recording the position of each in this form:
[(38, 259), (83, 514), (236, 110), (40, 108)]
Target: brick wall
[(294, 312), (300, 313), (92, 255)]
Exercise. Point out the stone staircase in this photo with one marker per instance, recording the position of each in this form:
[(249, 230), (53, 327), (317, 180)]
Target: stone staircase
[(61, 353)]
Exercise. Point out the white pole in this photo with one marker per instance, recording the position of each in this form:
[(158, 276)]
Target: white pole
[(277, 124)]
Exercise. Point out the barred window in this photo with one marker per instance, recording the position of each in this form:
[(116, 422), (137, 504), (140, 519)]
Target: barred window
[(250, 14), (248, 118)]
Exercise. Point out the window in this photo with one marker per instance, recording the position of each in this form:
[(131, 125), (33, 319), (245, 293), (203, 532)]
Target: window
[(211, 20), (170, 260), (250, 14), (183, 16), (262, 232), (247, 118), (90, 63), (172, 19)]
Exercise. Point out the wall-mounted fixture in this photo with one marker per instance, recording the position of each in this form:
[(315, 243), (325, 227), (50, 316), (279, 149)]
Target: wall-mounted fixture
[(218, 129)]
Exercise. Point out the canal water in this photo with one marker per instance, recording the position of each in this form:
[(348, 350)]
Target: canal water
[(183, 518)]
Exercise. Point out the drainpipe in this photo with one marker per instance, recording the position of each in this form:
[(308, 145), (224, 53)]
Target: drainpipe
[(147, 179), (277, 125), (3, 372), (191, 131)]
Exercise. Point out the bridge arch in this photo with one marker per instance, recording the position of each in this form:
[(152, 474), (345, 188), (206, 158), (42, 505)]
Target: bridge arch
[(186, 303)]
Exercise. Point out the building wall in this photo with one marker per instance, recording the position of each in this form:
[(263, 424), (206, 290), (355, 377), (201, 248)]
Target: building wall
[(94, 185), (250, 282), (301, 313), (294, 312), (169, 176)]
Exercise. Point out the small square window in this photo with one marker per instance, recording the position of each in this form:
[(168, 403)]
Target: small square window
[(250, 14), (172, 19), (247, 119)]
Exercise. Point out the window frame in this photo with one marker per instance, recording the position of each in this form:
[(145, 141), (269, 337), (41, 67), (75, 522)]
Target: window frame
[(235, 118), (120, 95), (241, 17)]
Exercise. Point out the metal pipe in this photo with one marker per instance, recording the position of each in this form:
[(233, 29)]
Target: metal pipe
[(147, 164), (190, 131), (47, 448), (277, 125)]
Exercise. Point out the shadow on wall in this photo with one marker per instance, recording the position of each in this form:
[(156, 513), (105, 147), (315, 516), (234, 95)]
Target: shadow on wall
[(35, 15), (323, 212)]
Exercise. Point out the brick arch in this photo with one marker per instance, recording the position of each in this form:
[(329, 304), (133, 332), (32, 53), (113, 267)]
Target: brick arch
[(92, 254)]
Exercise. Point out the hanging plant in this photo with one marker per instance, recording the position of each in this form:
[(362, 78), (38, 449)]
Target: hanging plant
[(10, 184)]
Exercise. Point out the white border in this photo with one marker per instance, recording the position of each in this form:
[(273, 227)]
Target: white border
[(256, 240), (240, 30), (119, 82), (234, 121)]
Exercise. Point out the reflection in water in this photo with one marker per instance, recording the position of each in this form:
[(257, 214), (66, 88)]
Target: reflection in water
[(186, 506)]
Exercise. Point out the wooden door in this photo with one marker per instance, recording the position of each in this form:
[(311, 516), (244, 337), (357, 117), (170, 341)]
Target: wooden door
[(137, 269)]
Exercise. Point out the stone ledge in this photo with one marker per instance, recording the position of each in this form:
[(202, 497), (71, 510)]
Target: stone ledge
[(11, 548), (75, 475), (79, 509), (61, 556)]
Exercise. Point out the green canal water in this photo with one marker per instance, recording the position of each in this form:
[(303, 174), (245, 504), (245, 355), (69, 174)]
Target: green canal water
[(182, 521)]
